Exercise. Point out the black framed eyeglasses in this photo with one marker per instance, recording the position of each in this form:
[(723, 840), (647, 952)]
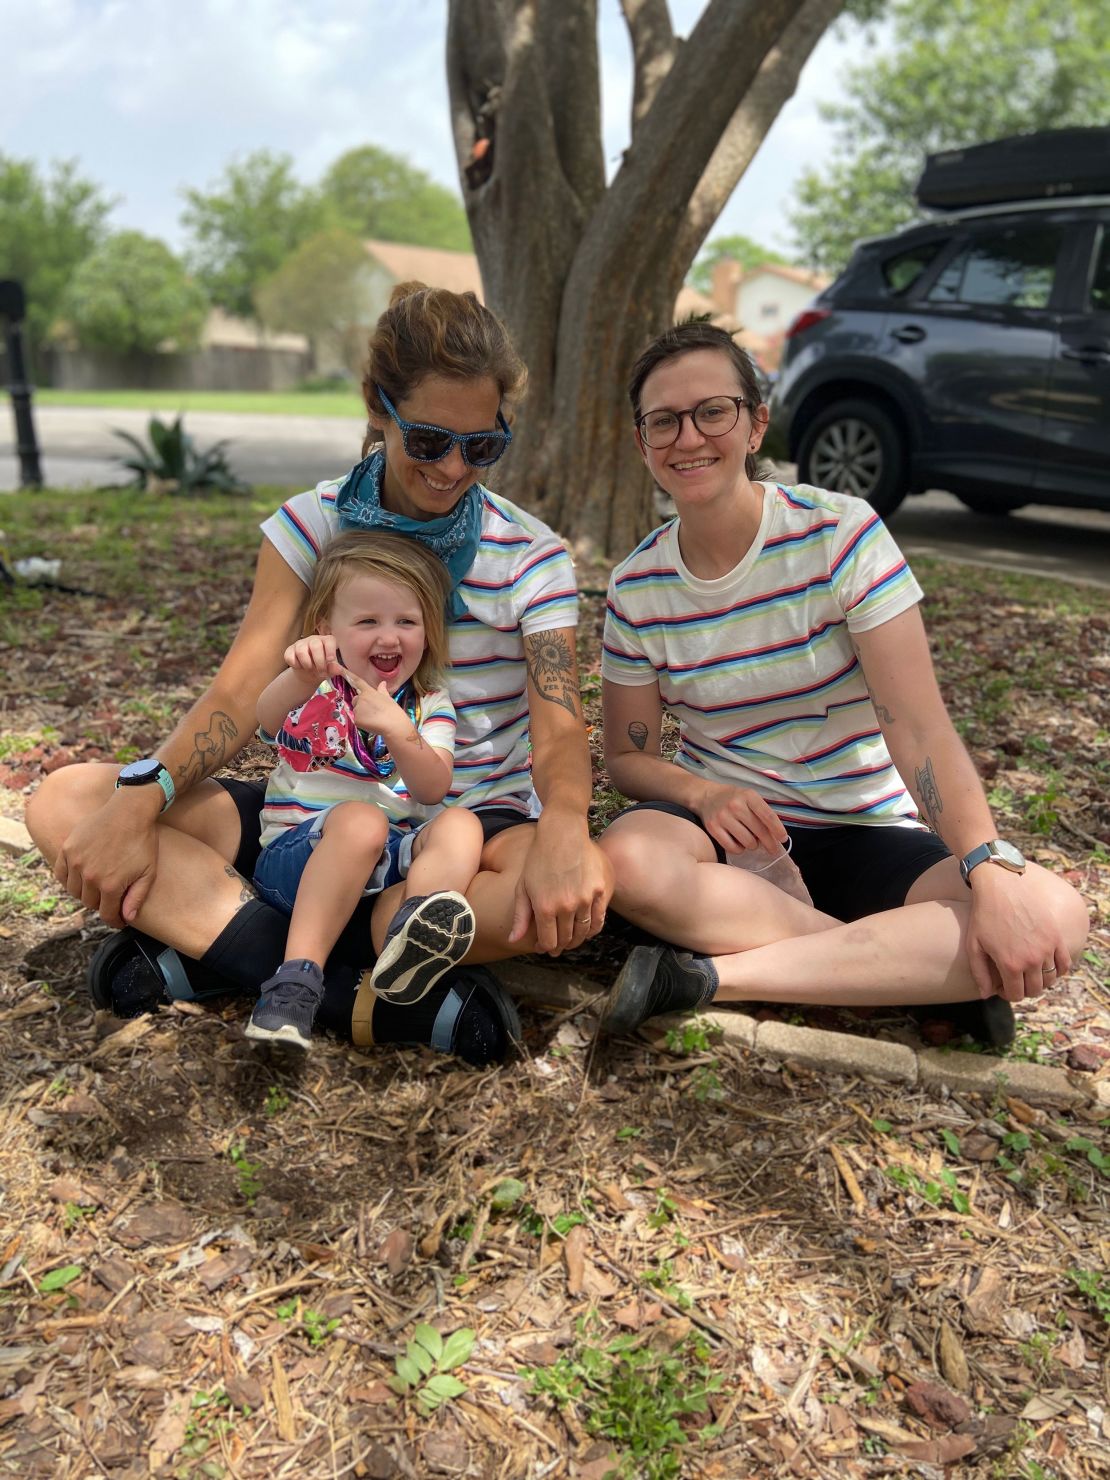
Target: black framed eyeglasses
[(713, 418), (424, 442)]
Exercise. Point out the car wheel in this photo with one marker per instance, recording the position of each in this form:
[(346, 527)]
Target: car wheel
[(854, 447)]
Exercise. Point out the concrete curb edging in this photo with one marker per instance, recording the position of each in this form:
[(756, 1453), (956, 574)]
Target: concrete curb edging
[(14, 837), (839, 1053)]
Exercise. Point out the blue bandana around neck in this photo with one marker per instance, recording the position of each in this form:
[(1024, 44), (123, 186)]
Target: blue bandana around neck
[(454, 538)]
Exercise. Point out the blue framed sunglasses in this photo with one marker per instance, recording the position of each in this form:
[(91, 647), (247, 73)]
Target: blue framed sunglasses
[(426, 443)]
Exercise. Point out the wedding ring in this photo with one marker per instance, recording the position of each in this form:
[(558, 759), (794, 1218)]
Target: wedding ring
[(1048, 971), (585, 920)]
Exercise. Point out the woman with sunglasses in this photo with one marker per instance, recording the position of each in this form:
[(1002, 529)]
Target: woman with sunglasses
[(166, 851), (781, 626)]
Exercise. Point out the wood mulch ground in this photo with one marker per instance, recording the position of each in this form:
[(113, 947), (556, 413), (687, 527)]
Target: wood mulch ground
[(665, 1257)]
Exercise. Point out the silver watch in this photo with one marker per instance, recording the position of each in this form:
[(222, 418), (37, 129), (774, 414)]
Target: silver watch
[(999, 851)]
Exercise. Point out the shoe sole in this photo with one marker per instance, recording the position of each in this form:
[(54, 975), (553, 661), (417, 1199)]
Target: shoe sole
[(287, 1033), (435, 937), (626, 1005), (106, 959)]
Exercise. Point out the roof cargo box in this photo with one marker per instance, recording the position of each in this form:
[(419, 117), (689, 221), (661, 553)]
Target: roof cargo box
[(1059, 162)]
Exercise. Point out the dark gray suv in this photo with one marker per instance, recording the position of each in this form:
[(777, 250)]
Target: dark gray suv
[(970, 353)]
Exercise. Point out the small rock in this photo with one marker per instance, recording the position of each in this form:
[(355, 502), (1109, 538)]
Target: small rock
[(939, 1407), (1086, 1058)]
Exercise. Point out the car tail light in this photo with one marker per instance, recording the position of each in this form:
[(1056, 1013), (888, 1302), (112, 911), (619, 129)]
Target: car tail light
[(806, 320)]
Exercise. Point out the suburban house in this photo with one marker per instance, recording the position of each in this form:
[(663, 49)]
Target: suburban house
[(763, 302)]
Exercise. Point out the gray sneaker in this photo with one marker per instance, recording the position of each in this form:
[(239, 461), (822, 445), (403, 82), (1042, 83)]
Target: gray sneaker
[(426, 937), (655, 980), (286, 1008)]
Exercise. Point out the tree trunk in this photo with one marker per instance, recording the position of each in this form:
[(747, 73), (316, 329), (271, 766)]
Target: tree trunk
[(583, 274)]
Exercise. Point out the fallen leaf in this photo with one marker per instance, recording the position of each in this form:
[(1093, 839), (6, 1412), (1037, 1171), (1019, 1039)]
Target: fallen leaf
[(953, 1363), (938, 1451), (396, 1250), (574, 1246), (375, 1394), (636, 1314), (168, 1435), (984, 1299), (244, 1392), (1047, 1405)]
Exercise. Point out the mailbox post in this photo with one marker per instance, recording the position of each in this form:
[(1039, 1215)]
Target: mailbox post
[(12, 308)]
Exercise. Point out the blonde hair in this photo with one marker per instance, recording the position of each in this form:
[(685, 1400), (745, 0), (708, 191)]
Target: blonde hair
[(432, 331), (400, 560)]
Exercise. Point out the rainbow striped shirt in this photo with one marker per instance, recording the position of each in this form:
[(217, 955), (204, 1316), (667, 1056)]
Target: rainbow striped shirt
[(522, 581), (758, 666)]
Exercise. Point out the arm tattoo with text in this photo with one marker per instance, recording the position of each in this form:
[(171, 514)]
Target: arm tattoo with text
[(638, 733), (928, 792), (551, 668), (210, 749)]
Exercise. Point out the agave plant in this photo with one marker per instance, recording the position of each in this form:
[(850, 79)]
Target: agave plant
[(175, 463)]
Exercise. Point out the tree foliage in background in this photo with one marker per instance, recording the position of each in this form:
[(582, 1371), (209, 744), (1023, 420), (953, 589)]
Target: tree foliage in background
[(48, 224), (320, 291), (244, 226), (375, 194), (960, 72), (131, 295), (586, 270), (740, 249)]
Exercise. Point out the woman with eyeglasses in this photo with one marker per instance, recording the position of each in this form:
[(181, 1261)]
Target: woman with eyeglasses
[(165, 850), (780, 625)]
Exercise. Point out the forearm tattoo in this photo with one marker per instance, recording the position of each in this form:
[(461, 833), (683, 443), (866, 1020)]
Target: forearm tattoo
[(247, 892), (210, 749), (551, 668), (638, 733), (928, 793)]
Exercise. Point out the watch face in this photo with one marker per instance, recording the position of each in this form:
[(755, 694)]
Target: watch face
[(140, 770), (1008, 853)]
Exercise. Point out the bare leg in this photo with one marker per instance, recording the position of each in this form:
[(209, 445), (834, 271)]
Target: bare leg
[(492, 894), (669, 882), (779, 951), (446, 854), (197, 892), (351, 842)]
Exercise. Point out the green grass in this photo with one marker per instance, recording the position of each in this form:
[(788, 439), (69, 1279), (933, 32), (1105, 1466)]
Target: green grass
[(271, 403)]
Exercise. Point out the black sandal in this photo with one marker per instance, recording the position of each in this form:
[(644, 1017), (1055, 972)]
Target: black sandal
[(449, 999), (159, 975)]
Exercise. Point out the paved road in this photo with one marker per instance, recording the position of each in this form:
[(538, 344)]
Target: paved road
[(78, 448)]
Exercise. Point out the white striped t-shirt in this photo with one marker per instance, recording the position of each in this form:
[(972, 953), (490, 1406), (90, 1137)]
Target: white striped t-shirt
[(758, 667), (293, 797), (522, 581)]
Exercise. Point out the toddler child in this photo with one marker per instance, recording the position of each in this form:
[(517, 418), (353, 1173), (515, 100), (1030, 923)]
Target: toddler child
[(365, 739)]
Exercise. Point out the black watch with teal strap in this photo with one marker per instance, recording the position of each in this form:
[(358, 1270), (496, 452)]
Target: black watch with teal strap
[(998, 851), (148, 772)]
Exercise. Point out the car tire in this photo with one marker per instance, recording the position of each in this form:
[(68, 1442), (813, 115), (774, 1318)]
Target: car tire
[(990, 507), (854, 447)]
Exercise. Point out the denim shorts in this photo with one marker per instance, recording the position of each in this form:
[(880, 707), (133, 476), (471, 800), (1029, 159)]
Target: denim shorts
[(277, 874)]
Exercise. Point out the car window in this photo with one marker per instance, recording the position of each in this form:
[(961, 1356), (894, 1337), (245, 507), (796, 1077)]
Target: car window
[(901, 271), (1006, 269), (1100, 283)]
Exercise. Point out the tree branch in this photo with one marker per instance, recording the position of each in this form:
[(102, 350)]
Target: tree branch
[(774, 85), (654, 47)]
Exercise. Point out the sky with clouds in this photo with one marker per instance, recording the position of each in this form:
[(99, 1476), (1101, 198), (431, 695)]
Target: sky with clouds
[(153, 95)]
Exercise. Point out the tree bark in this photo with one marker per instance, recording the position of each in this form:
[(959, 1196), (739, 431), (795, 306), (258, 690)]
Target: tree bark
[(583, 274)]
